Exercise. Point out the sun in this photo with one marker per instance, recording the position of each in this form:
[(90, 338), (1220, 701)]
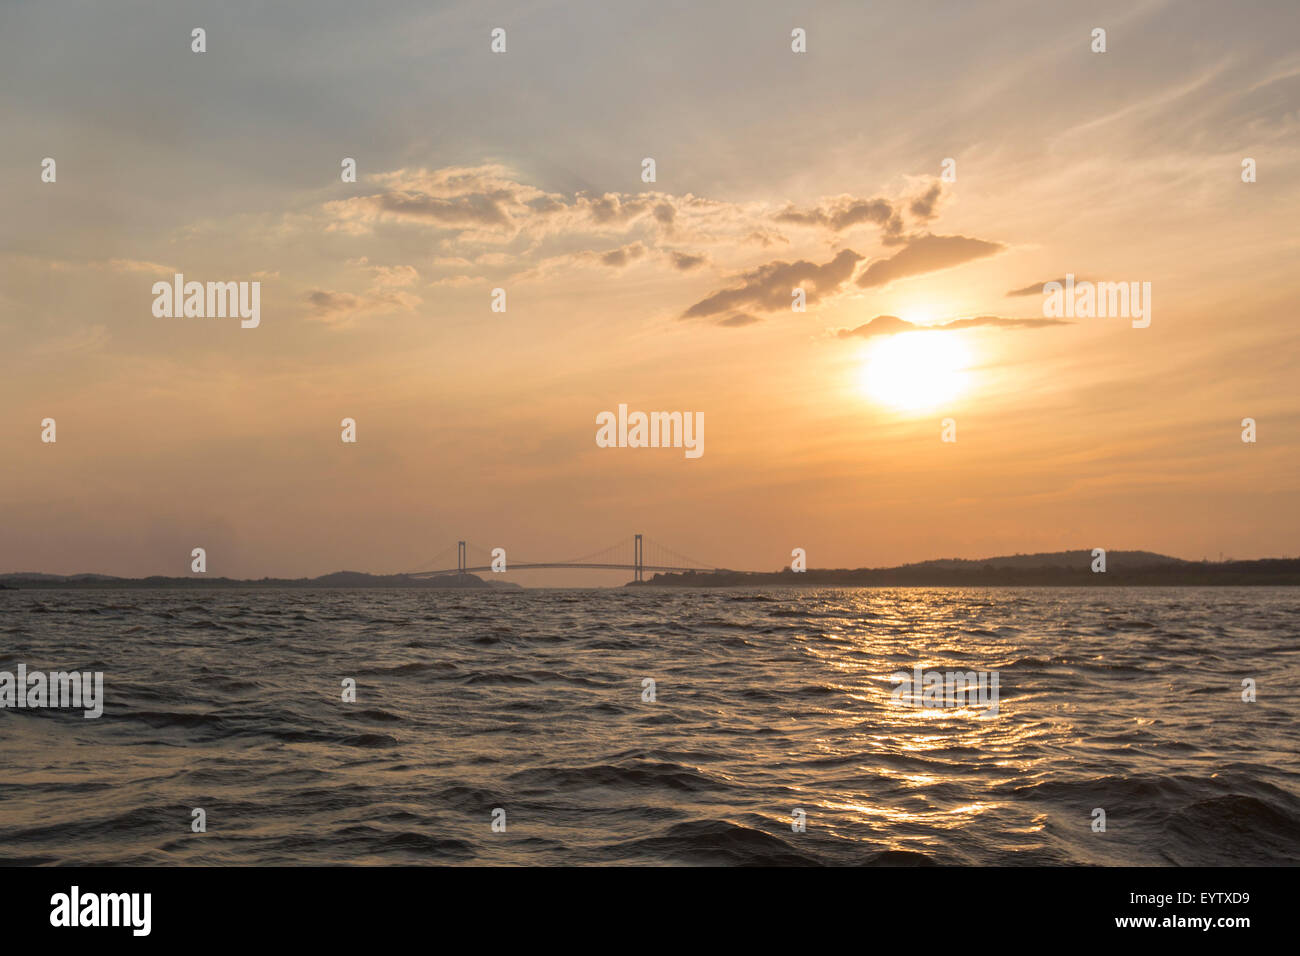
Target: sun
[(915, 371)]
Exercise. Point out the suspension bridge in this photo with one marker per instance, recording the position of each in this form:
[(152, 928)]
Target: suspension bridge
[(638, 555)]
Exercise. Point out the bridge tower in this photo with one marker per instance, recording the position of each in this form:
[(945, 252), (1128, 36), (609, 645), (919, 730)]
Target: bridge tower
[(638, 558), (460, 559)]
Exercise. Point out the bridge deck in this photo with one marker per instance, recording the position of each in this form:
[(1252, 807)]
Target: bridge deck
[(523, 566)]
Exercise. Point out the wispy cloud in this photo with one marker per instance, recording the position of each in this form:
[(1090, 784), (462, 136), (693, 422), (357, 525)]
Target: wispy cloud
[(926, 253), (738, 320), (333, 307), (768, 287), (1036, 288), (893, 325)]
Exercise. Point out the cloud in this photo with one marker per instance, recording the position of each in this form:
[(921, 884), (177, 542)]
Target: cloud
[(926, 253), (612, 208), (685, 262), (394, 277), (880, 325), (893, 325), (481, 199), (384, 295), (768, 287), (487, 204), (738, 320), (1036, 288), (327, 304), (137, 265), (845, 212), (926, 206), (993, 321), (457, 281), (618, 258), (766, 238), (471, 208), (481, 221), (339, 307), (460, 211)]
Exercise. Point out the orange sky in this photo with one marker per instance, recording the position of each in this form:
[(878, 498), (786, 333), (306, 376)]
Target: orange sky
[(522, 171)]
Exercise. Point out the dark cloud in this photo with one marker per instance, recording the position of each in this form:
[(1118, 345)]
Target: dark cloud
[(875, 211), (813, 218), (685, 262), (621, 257), (768, 287), (485, 198), (892, 325), (845, 213), (329, 306), (926, 253), (326, 303), (926, 205), (739, 319)]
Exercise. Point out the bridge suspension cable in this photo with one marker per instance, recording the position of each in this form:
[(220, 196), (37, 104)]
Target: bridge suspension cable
[(439, 560), (664, 556)]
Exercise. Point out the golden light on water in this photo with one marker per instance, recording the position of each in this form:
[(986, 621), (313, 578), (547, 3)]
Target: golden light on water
[(917, 371)]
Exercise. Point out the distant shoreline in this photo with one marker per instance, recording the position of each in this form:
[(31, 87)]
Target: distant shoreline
[(28, 581), (1056, 569), (1268, 572)]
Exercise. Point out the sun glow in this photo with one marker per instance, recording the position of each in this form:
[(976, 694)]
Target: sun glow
[(917, 370)]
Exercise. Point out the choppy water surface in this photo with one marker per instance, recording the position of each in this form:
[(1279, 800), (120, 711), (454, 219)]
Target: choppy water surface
[(767, 701)]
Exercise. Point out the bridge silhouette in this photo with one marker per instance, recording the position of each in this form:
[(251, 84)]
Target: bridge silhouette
[(638, 555)]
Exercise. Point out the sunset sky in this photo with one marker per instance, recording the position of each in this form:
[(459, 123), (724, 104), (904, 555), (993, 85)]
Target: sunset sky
[(522, 171)]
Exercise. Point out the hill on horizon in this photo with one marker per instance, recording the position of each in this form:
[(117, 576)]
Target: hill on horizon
[(1054, 559)]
